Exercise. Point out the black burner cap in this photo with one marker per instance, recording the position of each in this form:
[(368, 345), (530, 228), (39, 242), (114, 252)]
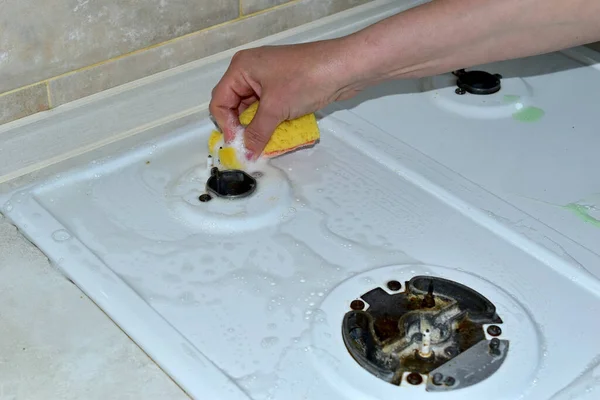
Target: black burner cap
[(477, 82)]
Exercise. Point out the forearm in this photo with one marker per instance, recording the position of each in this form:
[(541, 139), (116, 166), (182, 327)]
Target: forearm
[(446, 35)]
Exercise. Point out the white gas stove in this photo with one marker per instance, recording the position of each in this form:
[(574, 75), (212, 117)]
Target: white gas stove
[(440, 242)]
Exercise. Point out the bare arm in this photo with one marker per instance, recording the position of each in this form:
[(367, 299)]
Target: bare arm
[(434, 38), (446, 35)]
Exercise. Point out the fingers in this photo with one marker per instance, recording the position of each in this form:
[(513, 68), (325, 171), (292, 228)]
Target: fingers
[(247, 103), (259, 131), (227, 97), (225, 116)]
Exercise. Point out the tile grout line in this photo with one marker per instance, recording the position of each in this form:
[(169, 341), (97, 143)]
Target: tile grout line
[(49, 95), (16, 90)]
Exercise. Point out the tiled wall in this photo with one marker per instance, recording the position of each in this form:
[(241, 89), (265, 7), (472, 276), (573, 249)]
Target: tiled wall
[(56, 51)]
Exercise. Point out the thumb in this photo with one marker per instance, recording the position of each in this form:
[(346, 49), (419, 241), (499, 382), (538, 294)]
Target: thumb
[(259, 131)]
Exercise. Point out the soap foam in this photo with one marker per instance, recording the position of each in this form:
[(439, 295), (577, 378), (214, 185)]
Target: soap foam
[(238, 144), (242, 153)]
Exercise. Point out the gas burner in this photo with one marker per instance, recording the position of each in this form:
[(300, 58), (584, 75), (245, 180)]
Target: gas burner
[(228, 201), (230, 183), (477, 82), (435, 328)]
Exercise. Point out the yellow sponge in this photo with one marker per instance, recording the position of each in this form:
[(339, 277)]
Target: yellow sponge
[(288, 136)]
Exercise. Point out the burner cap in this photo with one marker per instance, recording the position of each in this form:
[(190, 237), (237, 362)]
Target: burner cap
[(477, 82)]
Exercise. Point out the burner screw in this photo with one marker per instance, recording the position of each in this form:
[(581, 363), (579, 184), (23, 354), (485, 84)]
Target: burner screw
[(494, 330), (460, 91), (450, 381), (257, 174), (394, 285), (205, 197), (495, 346), (429, 299), (357, 305), (414, 378), (451, 351), (437, 379)]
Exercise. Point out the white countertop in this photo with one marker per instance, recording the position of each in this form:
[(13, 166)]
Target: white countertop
[(57, 344)]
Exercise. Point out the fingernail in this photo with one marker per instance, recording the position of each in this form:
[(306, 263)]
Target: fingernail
[(249, 155)]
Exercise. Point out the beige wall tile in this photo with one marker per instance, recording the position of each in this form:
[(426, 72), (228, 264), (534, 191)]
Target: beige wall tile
[(24, 102), (40, 39), (250, 6), (84, 83)]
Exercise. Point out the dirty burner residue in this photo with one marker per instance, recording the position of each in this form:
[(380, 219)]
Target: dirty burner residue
[(433, 330)]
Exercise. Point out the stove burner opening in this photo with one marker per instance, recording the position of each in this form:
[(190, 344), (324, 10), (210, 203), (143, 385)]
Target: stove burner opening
[(435, 327), (477, 82), (230, 183)]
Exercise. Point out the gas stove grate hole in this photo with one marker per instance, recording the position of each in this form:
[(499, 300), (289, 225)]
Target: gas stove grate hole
[(230, 183), (477, 82)]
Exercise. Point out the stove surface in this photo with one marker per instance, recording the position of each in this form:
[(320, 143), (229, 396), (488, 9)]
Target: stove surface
[(437, 243)]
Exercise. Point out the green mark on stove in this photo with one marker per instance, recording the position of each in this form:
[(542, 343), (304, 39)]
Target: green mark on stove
[(511, 98), (583, 212), (528, 114)]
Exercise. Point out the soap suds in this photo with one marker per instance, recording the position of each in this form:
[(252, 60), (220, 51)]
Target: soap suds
[(241, 152), (238, 144)]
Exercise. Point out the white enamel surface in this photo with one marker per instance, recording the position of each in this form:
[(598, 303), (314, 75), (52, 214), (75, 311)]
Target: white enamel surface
[(539, 166), (247, 301), (236, 300)]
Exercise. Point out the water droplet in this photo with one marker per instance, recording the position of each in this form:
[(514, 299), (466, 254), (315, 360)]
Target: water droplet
[(61, 235), (8, 207), (269, 342)]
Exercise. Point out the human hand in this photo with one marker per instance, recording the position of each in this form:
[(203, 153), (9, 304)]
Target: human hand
[(290, 81)]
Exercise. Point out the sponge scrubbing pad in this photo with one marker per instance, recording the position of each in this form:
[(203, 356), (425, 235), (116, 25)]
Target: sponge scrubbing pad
[(288, 136)]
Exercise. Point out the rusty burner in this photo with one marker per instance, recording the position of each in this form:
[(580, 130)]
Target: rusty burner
[(419, 330)]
